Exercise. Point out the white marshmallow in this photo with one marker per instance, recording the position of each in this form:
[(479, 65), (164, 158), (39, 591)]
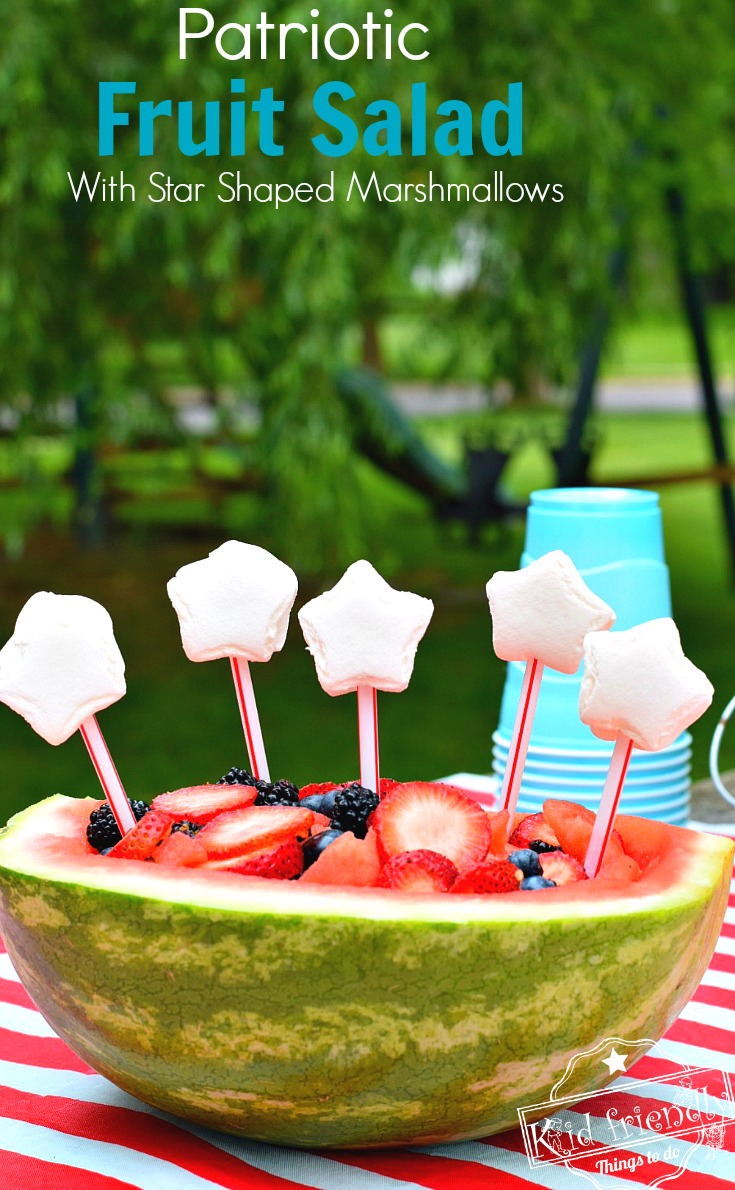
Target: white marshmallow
[(235, 603), (640, 684), (364, 633), (61, 664), (544, 611)]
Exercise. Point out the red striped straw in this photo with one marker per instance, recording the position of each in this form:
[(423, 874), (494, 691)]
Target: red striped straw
[(367, 727), (250, 718), (520, 739), (605, 819), (107, 773)]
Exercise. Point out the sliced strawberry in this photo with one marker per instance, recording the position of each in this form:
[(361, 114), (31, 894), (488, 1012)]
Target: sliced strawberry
[(180, 849), (499, 834), (531, 828), (142, 840), (282, 862), (347, 861), (321, 823), (387, 784), (495, 876), (201, 803), (418, 872), (561, 868), (243, 832), (422, 816), (318, 790)]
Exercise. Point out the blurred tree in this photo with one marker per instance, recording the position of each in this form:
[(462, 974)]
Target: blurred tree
[(92, 294)]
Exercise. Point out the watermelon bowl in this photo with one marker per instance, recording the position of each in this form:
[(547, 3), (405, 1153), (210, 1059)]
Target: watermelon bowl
[(321, 1016)]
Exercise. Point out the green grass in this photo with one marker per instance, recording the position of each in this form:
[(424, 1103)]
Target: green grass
[(179, 723), (660, 345)]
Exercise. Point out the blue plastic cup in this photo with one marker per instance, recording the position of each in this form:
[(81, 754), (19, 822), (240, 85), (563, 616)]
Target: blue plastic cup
[(614, 536)]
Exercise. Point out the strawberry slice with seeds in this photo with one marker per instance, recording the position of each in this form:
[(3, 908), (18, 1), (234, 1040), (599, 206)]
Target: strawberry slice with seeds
[(282, 862), (495, 876), (254, 829), (418, 872), (561, 868), (202, 803), (143, 839), (530, 829), (427, 816)]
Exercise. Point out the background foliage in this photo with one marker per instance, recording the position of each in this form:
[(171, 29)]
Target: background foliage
[(620, 101)]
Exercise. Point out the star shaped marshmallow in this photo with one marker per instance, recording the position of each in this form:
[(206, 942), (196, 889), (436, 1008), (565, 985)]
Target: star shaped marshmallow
[(61, 664), (639, 683), (544, 611), (364, 633), (235, 603)]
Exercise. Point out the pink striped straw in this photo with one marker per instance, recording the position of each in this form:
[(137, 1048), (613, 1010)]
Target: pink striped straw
[(521, 737), (603, 828), (250, 718), (367, 727), (105, 768)]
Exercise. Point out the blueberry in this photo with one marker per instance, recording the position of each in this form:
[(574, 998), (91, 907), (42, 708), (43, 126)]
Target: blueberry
[(527, 861), (328, 802), (314, 802), (531, 883), (314, 846)]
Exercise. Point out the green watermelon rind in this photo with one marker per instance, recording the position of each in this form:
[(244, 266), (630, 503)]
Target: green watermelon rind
[(330, 1018)]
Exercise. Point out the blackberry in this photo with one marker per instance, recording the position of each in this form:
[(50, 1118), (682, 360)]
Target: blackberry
[(103, 832), (352, 808), (277, 793), (188, 828), (237, 777), (541, 847)]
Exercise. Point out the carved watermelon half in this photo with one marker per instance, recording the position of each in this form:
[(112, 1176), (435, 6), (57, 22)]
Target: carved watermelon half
[(328, 1017)]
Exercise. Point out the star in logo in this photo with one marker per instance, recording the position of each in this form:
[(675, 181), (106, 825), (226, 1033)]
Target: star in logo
[(544, 611), (639, 683), (615, 1063), (235, 603), (364, 633), (61, 664)]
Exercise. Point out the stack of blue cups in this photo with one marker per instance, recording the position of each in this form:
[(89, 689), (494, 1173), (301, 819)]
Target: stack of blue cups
[(615, 539)]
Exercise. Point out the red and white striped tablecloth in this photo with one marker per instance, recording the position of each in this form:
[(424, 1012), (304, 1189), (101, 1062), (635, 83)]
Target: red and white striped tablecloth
[(63, 1125)]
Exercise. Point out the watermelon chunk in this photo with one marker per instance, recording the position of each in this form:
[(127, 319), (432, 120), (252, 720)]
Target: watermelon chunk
[(346, 861), (180, 850), (572, 825)]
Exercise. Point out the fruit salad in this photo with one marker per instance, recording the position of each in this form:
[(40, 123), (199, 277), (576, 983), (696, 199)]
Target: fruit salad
[(414, 837)]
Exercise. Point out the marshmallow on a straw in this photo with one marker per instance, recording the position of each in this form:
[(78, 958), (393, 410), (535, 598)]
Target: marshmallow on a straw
[(363, 636), (236, 603), (541, 615), (639, 690), (60, 667)]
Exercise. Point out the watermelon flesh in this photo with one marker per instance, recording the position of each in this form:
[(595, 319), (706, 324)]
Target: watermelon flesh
[(321, 1016)]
